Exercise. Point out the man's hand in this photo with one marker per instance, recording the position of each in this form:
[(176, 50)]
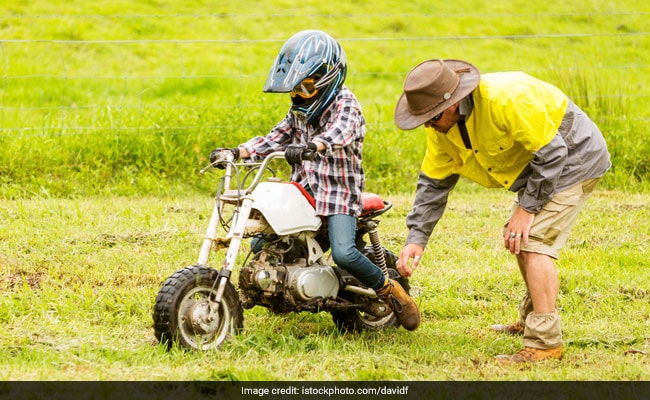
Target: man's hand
[(409, 251), (517, 230)]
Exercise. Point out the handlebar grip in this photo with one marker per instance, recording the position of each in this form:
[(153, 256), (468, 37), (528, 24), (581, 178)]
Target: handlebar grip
[(308, 154)]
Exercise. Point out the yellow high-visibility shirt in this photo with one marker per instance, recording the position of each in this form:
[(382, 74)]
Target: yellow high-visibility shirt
[(514, 115)]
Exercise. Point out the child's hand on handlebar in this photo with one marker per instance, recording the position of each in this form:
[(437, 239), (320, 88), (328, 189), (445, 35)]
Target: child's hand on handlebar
[(296, 153), (218, 155)]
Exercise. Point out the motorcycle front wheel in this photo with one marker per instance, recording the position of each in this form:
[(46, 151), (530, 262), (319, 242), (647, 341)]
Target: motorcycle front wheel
[(185, 312)]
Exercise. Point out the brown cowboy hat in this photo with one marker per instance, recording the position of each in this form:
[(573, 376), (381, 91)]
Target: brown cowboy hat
[(432, 87)]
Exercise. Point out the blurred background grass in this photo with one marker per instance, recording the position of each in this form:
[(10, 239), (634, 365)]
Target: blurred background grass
[(128, 98)]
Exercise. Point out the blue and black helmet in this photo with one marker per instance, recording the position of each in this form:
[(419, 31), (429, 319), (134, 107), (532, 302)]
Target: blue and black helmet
[(308, 54)]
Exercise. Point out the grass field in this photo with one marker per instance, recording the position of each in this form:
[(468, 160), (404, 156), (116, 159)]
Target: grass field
[(109, 109), (79, 278), (128, 98)]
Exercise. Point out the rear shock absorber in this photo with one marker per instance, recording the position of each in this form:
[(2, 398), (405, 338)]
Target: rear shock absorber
[(373, 234)]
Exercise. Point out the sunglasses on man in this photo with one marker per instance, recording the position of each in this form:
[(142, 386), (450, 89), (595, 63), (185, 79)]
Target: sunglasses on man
[(434, 119)]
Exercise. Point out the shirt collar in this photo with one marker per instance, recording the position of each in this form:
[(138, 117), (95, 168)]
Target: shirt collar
[(466, 106)]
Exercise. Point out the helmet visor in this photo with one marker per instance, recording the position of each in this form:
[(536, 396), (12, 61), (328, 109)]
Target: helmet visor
[(305, 89)]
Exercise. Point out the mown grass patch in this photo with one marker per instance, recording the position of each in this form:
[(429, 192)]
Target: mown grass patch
[(79, 277)]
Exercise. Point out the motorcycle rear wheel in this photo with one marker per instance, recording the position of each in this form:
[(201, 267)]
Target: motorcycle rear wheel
[(357, 320), (182, 310)]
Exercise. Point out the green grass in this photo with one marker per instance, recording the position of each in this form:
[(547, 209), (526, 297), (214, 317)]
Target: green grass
[(109, 110), (79, 277), (129, 98)]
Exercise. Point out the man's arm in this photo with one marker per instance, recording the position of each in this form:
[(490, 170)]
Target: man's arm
[(546, 167), (429, 205)]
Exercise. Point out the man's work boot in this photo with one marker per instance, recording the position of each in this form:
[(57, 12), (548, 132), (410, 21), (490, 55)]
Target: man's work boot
[(405, 309), (530, 354), (515, 329)]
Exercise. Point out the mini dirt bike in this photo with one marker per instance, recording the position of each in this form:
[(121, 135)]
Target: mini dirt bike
[(199, 307)]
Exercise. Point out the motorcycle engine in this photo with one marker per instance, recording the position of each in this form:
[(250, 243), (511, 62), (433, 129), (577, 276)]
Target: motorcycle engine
[(284, 287)]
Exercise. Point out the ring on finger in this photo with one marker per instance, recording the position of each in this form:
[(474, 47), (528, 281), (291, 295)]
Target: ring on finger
[(514, 236)]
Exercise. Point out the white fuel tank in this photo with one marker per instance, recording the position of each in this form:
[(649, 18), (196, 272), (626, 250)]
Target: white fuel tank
[(285, 208)]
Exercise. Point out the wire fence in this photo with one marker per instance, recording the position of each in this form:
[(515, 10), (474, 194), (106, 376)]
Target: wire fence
[(72, 85)]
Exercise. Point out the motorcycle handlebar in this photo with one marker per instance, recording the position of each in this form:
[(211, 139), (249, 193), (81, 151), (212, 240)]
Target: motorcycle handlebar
[(308, 154), (226, 158), (263, 167)]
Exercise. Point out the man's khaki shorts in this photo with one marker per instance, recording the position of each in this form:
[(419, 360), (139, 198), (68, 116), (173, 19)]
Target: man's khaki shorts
[(552, 225)]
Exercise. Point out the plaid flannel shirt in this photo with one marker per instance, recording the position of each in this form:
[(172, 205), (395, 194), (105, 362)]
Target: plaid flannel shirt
[(336, 175)]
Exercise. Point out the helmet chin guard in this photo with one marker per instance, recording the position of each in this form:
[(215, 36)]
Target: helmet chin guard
[(306, 54)]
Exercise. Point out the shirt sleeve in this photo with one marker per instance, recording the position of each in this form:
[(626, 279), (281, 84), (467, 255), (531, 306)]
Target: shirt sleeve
[(276, 140), (429, 205), (345, 125), (547, 166), (529, 113)]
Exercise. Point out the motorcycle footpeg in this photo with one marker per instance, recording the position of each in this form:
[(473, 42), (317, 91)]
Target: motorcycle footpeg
[(378, 309)]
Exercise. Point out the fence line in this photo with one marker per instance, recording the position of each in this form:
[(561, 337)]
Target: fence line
[(327, 15), (64, 90), (342, 39)]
